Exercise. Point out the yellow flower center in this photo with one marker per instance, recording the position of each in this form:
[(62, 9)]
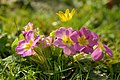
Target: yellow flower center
[(101, 46), (82, 41), (67, 40), (28, 45), (28, 27)]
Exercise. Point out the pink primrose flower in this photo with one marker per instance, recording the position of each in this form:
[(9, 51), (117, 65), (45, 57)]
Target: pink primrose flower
[(64, 41), (84, 40), (25, 47)]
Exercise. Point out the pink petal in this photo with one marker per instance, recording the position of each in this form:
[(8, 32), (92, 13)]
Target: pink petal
[(97, 54), (92, 42), (67, 33), (67, 51), (24, 33), (70, 31), (74, 36), (108, 50), (85, 32), (95, 36), (87, 50), (29, 35), (22, 42), (36, 40), (28, 53), (58, 43), (78, 48), (20, 50), (60, 32), (73, 51)]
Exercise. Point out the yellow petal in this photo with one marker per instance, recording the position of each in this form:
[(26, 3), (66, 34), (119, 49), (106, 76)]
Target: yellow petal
[(72, 12), (60, 12), (67, 11)]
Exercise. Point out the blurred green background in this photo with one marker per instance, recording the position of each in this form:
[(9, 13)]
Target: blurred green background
[(100, 16)]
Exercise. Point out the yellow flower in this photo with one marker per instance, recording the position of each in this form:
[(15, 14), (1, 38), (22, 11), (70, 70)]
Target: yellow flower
[(66, 16)]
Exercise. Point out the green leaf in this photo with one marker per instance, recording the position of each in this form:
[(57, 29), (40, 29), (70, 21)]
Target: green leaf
[(14, 44), (21, 37), (52, 34)]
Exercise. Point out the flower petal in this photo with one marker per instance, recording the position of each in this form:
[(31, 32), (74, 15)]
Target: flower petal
[(92, 42), (58, 43), (28, 53), (36, 41), (73, 51), (72, 12), (74, 36), (60, 32), (67, 51), (85, 32), (22, 42), (67, 13), (108, 50), (29, 35), (20, 50), (67, 33), (88, 49), (70, 30), (97, 54), (95, 36), (78, 48), (24, 33)]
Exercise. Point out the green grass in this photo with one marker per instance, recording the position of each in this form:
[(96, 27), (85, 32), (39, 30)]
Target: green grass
[(53, 64)]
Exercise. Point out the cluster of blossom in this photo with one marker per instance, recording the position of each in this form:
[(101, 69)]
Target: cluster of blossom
[(84, 40), (71, 41)]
